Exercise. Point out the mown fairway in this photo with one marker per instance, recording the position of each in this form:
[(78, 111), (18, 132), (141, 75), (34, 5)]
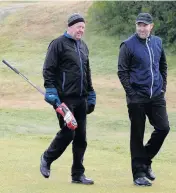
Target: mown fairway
[(28, 123)]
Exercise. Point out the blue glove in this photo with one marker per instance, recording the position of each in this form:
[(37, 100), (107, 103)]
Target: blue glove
[(51, 96), (91, 101), (91, 98)]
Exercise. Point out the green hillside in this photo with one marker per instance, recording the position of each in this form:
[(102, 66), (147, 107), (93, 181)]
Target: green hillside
[(28, 123)]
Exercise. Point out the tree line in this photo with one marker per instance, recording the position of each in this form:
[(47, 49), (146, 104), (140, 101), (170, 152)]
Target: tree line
[(118, 18)]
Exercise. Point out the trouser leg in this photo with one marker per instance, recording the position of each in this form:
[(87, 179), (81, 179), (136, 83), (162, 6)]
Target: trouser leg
[(158, 118), (79, 143), (138, 153), (61, 140)]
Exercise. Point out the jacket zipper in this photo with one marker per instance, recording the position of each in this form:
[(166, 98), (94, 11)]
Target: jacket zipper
[(63, 83), (151, 69), (152, 55), (81, 67)]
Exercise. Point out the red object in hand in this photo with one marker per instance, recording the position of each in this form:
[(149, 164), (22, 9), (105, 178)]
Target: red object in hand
[(67, 115)]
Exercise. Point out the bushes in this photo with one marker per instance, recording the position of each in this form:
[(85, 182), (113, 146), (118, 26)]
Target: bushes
[(118, 18)]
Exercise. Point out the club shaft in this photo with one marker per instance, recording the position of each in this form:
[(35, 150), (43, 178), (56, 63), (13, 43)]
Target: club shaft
[(24, 77)]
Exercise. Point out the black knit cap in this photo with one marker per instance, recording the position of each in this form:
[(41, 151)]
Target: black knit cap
[(75, 18), (144, 18)]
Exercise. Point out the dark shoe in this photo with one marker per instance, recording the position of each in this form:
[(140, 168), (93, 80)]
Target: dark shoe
[(44, 167), (82, 180), (142, 181), (149, 173)]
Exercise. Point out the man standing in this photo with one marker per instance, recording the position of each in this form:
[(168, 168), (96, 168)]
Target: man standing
[(142, 70), (67, 79)]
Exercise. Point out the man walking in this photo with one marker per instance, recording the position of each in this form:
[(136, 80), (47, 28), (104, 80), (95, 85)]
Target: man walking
[(142, 70), (67, 79)]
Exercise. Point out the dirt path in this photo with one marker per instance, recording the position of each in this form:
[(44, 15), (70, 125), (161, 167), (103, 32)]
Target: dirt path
[(11, 8)]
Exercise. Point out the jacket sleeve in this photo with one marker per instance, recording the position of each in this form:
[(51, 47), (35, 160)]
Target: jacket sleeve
[(163, 69), (89, 78), (124, 70), (50, 65)]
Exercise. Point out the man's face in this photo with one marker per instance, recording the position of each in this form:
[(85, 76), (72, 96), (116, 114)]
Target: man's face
[(77, 30), (143, 30)]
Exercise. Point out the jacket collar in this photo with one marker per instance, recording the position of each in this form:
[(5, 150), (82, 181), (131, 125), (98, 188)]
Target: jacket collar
[(70, 37), (143, 40)]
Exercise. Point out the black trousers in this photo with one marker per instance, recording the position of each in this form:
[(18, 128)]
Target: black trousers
[(155, 110), (64, 137)]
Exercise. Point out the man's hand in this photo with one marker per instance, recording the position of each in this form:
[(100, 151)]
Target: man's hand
[(67, 115), (90, 108), (52, 97), (91, 101)]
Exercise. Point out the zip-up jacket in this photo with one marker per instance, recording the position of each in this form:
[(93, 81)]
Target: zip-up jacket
[(66, 67), (142, 67)]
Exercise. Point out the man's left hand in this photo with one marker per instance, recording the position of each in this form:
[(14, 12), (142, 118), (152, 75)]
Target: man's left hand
[(91, 101), (90, 108)]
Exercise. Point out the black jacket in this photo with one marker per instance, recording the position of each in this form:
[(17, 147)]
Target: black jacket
[(66, 67)]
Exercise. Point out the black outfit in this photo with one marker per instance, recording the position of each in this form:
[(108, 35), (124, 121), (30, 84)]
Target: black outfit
[(65, 136), (142, 70), (66, 68)]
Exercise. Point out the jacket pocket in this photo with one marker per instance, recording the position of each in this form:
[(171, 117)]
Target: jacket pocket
[(63, 81)]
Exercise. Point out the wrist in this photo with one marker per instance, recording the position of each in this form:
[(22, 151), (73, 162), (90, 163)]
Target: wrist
[(52, 90)]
